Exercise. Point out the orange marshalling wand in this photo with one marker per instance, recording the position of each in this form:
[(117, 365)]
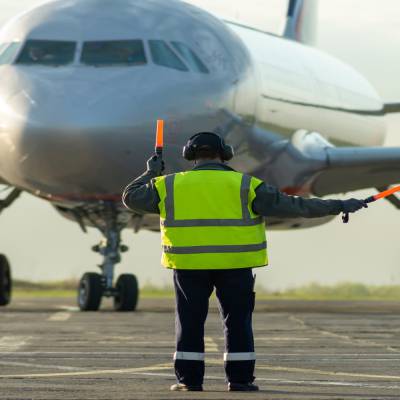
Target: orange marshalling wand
[(160, 137), (371, 199), (384, 194)]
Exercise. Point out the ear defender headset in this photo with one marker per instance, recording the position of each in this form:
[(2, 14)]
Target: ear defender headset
[(207, 139)]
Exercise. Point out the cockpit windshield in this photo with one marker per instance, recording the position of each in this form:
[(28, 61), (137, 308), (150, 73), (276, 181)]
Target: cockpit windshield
[(7, 52), (47, 52), (163, 55), (114, 52), (190, 57)]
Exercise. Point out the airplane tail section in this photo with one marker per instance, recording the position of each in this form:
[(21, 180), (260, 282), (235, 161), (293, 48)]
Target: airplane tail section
[(301, 21)]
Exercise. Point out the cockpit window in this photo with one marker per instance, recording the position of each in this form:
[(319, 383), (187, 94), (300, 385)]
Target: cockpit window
[(190, 57), (7, 52), (163, 55), (113, 52), (47, 52)]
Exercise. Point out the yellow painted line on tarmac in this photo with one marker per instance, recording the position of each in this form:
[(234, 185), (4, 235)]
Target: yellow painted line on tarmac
[(13, 343), (157, 367), (328, 373)]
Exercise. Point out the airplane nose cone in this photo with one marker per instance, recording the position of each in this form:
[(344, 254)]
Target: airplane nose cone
[(87, 99), (87, 134), (60, 134)]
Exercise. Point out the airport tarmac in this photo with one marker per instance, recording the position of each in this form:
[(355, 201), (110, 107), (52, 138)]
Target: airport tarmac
[(305, 350)]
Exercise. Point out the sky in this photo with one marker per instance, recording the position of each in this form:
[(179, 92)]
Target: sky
[(41, 245)]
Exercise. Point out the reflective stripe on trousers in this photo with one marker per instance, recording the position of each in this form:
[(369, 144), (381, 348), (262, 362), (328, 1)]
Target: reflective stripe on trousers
[(239, 356), (188, 355)]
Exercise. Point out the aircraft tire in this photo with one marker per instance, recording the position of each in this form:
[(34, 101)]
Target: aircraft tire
[(127, 295), (90, 292), (5, 281)]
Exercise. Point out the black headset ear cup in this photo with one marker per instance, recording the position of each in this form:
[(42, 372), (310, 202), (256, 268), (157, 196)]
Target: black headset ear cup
[(227, 152), (188, 153)]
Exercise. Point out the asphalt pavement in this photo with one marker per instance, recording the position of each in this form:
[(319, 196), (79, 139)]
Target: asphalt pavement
[(305, 350)]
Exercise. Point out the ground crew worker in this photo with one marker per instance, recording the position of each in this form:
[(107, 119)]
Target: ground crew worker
[(213, 234)]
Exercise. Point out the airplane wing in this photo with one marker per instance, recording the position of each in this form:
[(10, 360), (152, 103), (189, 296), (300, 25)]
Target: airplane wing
[(349, 169), (309, 164), (391, 108)]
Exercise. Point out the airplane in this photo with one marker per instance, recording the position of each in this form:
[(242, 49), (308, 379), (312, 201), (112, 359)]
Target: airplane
[(83, 82)]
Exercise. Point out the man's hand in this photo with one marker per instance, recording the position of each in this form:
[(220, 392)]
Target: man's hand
[(353, 205), (156, 165)]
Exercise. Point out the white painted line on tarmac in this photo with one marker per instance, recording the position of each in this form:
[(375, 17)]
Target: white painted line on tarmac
[(283, 339), (30, 365), (289, 382), (269, 356), (68, 308), (210, 345), (85, 353), (136, 343), (59, 317), (13, 343), (346, 338), (329, 373), (330, 383)]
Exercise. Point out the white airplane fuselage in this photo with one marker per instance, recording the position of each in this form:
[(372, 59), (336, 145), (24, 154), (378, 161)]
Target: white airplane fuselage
[(78, 133)]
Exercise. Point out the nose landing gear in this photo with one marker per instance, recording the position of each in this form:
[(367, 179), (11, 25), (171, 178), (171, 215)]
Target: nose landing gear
[(93, 287), (5, 269)]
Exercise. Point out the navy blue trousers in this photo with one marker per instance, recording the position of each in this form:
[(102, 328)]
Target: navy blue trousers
[(235, 293)]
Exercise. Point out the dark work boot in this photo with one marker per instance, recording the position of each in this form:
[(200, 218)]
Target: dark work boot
[(181, 387), (242, 387)]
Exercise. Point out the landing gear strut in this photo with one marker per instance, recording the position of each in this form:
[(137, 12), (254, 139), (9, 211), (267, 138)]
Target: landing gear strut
[(93, 286)]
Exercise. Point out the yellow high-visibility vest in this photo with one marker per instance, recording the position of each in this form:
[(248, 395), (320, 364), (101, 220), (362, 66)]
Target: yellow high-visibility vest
[(207, 221)]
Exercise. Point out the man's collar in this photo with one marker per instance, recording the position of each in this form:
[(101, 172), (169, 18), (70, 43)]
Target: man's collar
[(213, 165)]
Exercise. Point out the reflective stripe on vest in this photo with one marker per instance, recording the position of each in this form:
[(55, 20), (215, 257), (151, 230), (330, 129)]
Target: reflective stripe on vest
[(207, 221), (238, 248), (245, 221)]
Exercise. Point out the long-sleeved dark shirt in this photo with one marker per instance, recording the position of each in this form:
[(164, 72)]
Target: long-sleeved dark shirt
[(142, 197)]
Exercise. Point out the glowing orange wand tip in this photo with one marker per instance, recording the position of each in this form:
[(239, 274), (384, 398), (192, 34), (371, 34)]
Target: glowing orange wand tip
[(160, 135), (387, 193)]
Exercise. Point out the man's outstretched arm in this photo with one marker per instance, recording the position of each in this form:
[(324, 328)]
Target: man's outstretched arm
[(140, 195), (270, 202)]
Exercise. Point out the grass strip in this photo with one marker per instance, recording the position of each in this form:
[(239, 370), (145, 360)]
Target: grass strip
[(315, 292)]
